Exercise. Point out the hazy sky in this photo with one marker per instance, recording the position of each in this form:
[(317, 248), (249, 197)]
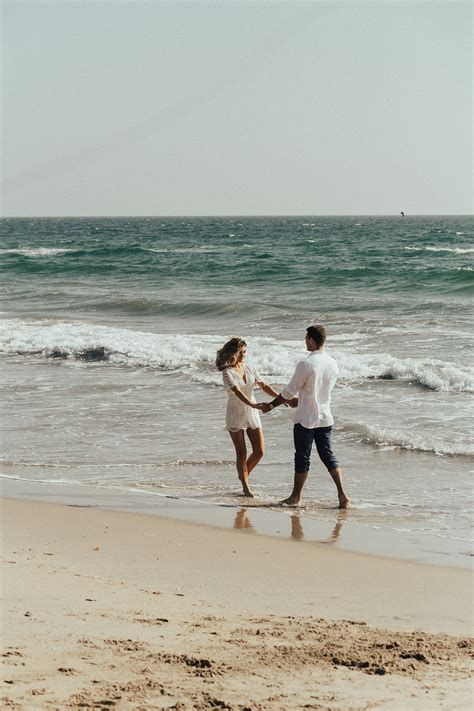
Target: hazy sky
[(236, 107)]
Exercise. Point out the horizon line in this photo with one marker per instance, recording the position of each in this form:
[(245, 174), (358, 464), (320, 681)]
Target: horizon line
[(242, 215)]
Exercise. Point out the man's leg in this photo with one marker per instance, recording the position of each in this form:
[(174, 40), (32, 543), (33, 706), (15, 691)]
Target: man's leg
[(336, 474), (322, 438), (303, 439), (298, 483)]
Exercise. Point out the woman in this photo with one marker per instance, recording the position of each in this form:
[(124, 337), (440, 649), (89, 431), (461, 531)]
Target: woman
[(242, 414)]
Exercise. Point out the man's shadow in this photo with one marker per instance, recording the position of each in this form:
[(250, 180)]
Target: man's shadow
[(297, 534)]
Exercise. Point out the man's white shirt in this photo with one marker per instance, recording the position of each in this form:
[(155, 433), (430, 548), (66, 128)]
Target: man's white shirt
[(312, 382)]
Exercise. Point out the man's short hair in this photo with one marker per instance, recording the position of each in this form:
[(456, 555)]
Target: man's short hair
[(318, 333)]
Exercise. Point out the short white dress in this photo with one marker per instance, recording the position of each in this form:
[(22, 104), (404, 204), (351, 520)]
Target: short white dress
[(240, 416)]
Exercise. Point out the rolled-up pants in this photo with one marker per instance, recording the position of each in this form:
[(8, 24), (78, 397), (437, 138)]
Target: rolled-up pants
[(304, 438)]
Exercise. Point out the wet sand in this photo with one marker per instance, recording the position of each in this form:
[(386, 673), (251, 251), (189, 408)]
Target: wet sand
[(335, 528), (107, 609)]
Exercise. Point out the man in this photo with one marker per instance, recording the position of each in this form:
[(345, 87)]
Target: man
[(313, 380)]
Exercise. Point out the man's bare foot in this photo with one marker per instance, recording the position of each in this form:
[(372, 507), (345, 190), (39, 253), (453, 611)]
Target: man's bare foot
[(343, 501), (290, 501), (249, 494)]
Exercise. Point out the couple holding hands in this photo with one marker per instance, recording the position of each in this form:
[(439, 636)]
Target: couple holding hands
[(309, 392)]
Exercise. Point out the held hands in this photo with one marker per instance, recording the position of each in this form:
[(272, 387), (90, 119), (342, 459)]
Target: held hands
[(265, 406), (262, 406)]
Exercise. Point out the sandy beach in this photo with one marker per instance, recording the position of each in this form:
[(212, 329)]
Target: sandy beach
[(106, 609)]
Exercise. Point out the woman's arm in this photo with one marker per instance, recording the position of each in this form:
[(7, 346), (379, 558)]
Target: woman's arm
[(241, 396), (266, 388), (270, 391)]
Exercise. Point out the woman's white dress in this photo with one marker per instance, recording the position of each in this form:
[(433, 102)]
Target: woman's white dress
[(240, 416)]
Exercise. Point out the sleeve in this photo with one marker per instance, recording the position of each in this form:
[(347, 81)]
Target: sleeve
[(296, 382), (228, 379), (256, 373)]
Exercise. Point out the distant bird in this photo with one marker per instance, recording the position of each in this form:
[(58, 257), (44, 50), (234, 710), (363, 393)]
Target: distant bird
[(402, 213)]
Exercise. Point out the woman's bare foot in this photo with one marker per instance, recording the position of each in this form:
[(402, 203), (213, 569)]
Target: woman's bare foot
[(343, 501), (245, 487)]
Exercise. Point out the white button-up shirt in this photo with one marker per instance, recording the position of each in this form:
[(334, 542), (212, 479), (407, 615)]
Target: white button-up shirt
[(313, 380)]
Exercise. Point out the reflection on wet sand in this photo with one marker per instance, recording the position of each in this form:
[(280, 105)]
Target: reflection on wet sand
[(297, 534), (242, 519), (337, 527), (296, 527)]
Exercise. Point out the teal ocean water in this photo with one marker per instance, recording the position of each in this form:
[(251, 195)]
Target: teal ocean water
[(109, 329)]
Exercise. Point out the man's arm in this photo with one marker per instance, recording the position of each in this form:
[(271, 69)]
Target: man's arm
[(290, 390)]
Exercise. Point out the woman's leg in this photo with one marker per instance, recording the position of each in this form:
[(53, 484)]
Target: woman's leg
[(238, 439), (258, 447)]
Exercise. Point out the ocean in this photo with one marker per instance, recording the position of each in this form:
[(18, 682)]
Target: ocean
[(109, 329)]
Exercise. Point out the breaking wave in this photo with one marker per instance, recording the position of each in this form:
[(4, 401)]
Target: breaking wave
[(194, 354), (387, 438)]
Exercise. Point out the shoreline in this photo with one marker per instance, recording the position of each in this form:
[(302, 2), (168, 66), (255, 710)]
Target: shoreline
[(111, 608), (251, 516)]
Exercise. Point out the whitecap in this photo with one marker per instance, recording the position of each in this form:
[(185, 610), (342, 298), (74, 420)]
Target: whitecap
[(182, 250), (454, 250), (38, 251)]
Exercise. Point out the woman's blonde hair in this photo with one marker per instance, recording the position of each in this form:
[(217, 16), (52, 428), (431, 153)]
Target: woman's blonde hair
[(227, 355)]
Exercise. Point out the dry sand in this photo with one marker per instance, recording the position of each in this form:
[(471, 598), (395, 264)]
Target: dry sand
[(105, 609)]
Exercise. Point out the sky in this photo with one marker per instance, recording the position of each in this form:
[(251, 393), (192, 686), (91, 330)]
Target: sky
[(127, 107)]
